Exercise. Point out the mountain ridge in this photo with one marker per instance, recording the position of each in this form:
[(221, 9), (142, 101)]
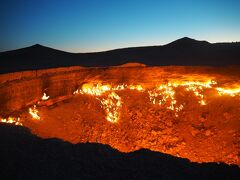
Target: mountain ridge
[(178, 41), (184, 51)]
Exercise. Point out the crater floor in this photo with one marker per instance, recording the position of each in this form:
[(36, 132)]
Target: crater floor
[(187, 112)]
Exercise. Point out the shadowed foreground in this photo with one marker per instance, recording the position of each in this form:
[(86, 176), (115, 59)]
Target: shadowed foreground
[(25, 156)]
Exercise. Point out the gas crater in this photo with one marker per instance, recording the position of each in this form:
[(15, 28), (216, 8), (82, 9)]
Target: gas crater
[(189, 112)]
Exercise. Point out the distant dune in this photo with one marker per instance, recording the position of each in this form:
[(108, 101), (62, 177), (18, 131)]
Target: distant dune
[(184, 51)]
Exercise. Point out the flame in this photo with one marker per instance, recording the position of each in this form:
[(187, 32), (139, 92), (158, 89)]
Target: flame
[(162, 94), (232, 92), (112, 105), (165, 94), (202, 102), (34, 112), (96, 90), (45, 97), (198, 87), (136, 87), (120, 87), (12, 120), (207, 84), (99, 89), (76, 92)]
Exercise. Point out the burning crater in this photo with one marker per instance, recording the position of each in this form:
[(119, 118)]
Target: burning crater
[(189, 112)]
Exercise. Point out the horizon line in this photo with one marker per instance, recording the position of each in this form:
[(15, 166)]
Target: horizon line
[(119, 48)]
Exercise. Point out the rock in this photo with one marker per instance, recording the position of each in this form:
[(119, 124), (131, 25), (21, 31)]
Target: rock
[(169, 123), (208, 132), (183, 143), (202, 119), (194, 132), (154, 132), (139, 114), (227, 116), (89, 106), (154, 143)]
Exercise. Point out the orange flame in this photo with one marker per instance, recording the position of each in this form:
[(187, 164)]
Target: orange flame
[(45, 97), (232, 92), (163, 94), (112, 106), (34, 112), (12, 120)]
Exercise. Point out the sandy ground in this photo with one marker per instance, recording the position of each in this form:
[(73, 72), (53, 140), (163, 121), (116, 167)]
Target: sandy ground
[(208, 133)]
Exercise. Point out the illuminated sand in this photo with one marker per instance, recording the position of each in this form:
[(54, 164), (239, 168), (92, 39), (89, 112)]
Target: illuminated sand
[(190, 112)]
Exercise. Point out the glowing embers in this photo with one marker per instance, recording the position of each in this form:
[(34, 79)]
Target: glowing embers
[(167, 91), (198, 88), (166, 94), (136, 87), (96, 90), (232, 92), (45, 97), (112, 105), (162, 94), (119, 87), (202, 84), (12, 120), (99, 89), (34, 112)]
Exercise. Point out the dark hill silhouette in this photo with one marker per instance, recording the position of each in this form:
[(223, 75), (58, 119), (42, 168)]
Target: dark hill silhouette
[(26, 156), (187, 43), (183, 51)]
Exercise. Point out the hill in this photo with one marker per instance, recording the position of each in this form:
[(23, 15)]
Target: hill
[(183, 51)]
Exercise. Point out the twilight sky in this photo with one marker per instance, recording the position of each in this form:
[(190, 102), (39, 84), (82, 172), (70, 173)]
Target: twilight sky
[(97, 25)]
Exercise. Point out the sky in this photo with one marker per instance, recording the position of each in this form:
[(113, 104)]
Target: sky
[(99, 25)]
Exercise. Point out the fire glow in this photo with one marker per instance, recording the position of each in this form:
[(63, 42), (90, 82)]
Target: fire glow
[(45, 97), (112, 105), (163, 94), (136, 114), (231, 92), (34, 112), (12, 120)]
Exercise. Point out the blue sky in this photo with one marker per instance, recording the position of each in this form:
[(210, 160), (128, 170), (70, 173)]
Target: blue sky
[(97, 25)]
